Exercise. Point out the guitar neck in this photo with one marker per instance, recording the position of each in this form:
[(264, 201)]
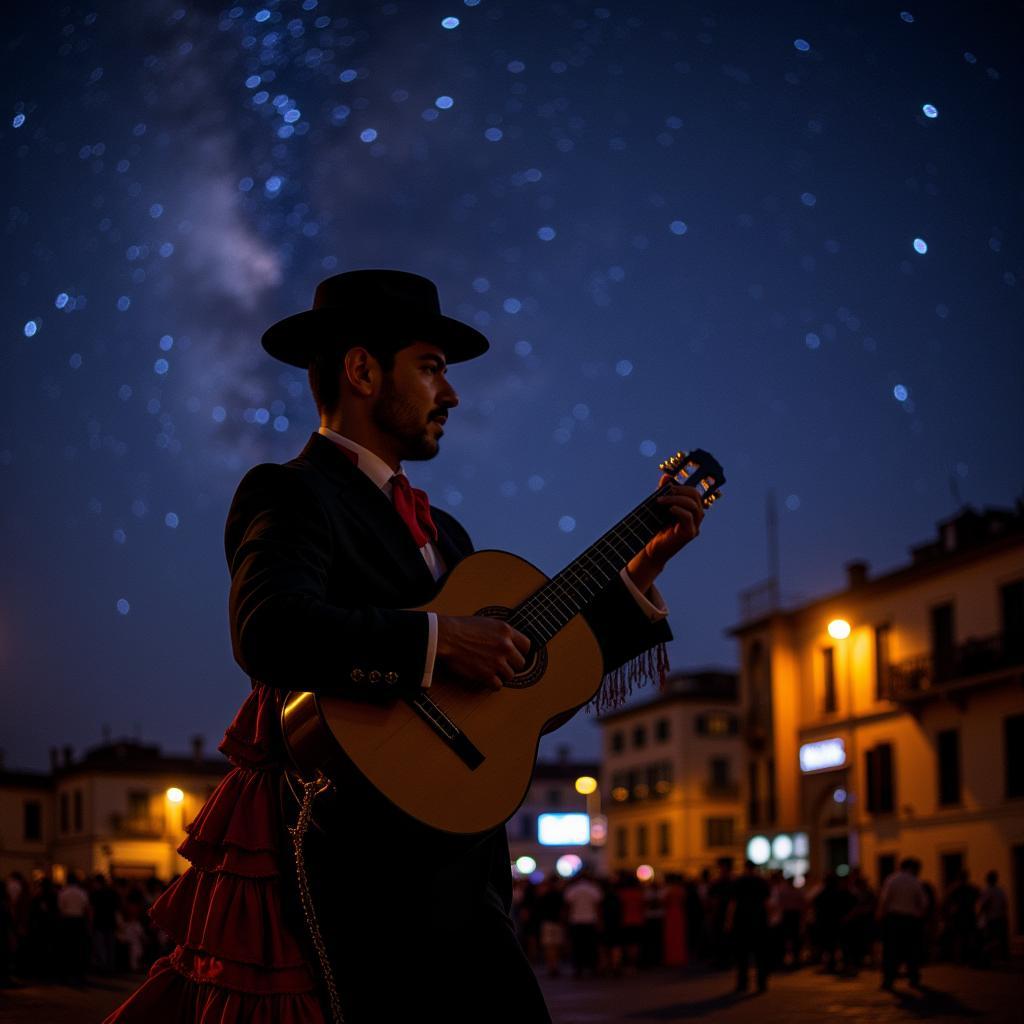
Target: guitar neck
[(578, 585)]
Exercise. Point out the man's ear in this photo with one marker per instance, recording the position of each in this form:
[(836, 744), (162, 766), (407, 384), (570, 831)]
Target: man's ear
[(361, 370)]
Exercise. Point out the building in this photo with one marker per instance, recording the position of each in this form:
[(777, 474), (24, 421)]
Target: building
[(26, 821), (120, 809), (556, 820), (672, 765), (887, 719)]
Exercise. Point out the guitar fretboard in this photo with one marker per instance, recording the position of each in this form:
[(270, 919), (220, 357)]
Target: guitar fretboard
[(565, 595)]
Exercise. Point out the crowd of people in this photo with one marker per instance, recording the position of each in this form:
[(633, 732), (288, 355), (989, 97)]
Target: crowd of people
[(87, 925), (590, 925), (760, 921)]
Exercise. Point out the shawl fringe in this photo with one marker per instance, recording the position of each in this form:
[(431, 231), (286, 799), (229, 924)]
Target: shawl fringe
[(650, 667)]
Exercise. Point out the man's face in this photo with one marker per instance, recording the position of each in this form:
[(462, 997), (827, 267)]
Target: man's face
[(414, 400)]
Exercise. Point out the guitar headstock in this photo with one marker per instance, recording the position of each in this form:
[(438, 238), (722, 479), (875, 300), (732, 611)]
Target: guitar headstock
[(699, 469)]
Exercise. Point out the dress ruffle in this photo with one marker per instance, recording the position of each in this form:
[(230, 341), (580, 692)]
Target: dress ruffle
[(236, 960)]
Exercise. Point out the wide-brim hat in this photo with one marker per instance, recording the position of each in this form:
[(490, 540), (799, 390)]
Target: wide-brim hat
[(379, 308)]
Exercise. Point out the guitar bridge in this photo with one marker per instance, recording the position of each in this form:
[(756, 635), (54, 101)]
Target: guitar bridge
[(461, 745)]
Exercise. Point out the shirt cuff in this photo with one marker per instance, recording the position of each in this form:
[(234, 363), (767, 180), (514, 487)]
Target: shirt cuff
[(652, 605), (428, 668)]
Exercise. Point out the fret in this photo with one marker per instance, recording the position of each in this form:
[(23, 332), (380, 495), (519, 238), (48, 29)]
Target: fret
[(573, 589)]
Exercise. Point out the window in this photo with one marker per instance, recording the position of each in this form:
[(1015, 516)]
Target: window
[(555, 797), (661, 730), (79, 814), (882, 660), (33, 824), (638, 787), (880, 782), (620, 787), (618, 741), (65, 813), (664, 839), (770, 808), (754, 794), (720, 772), (948, 744), (621, 842), (640, 736), (659, 777), (886, 866), (1013, 754), (717, 723), (719, 831), (828, 668), (1011, 597), (943, 647), (641, 840), (138, 804)]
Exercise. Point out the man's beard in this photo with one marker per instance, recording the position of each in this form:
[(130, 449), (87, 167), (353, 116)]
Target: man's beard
[(404, 422)]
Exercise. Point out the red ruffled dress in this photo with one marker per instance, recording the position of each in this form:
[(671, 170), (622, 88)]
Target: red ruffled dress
[(236, 960)]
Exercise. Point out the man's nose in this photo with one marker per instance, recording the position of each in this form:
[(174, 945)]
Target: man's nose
[(451, 396)]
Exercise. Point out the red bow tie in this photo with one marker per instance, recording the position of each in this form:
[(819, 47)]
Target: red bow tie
[(413, 506)]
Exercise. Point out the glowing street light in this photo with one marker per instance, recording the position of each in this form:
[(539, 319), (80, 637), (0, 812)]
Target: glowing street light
[(175, 795), (839, 629), (585, 785)]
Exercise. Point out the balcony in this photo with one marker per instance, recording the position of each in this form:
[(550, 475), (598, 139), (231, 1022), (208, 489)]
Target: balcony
[(135, 827), (980, 661)]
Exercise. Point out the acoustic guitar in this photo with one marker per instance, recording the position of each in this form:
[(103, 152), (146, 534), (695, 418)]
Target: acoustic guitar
[(461, 759)]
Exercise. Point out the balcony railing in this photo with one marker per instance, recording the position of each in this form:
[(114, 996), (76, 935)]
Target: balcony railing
[(965, 665)]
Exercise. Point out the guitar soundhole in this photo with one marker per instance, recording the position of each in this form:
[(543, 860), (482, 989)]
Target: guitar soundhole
[(536, 660)]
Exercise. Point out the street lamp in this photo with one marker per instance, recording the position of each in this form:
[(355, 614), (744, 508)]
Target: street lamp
[(839, 629), (175, 795), (586, 785)]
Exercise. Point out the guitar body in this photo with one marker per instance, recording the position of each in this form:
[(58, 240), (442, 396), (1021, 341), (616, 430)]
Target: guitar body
[(408, 761)]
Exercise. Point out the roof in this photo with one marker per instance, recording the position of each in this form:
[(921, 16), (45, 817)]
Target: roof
[(706, 686), (132, 758), (967, 537)]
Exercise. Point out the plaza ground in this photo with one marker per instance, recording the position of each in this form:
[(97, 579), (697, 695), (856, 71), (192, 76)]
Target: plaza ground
[(950, 994)]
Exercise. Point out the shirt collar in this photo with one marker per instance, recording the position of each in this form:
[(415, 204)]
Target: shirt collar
[(372, 465)]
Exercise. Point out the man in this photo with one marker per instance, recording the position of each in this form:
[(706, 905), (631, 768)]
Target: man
[(901, 909), (327, 553), (747, 922), (583, 898)]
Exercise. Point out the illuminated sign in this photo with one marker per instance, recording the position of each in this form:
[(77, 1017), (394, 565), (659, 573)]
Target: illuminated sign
[(822, 754), (563, 829)]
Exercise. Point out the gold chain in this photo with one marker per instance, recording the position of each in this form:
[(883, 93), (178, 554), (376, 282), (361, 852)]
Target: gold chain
[(310, 790)]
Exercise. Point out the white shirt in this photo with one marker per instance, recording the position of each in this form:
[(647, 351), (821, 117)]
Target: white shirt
[(583, 898), (903, 894), (381, 473), (72, 901)]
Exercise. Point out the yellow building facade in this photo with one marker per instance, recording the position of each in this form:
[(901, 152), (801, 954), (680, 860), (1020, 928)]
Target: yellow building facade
[(671, 780), (121, 810), (900, 733)]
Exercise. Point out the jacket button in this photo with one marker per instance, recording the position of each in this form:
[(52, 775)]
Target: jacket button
[(391, 677), (374, 676), (357, 675)]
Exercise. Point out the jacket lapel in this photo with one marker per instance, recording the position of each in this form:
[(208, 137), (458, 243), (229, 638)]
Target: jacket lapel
[(367, 503)]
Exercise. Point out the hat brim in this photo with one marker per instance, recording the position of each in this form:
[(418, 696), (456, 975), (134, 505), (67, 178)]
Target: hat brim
[(298, 338)]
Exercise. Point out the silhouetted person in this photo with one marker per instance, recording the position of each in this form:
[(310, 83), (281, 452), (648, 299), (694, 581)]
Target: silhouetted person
[(747, 923), (73, 904), (902, 906), (994, 919), (583, 898)]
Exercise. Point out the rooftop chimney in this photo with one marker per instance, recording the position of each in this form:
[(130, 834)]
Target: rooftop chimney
[(68, 759), (856, 573), (197, 748)]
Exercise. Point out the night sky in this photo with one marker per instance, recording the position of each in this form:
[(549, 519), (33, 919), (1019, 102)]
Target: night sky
[(787, 233)]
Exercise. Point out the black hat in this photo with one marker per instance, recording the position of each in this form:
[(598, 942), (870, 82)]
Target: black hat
[(381, 308)]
